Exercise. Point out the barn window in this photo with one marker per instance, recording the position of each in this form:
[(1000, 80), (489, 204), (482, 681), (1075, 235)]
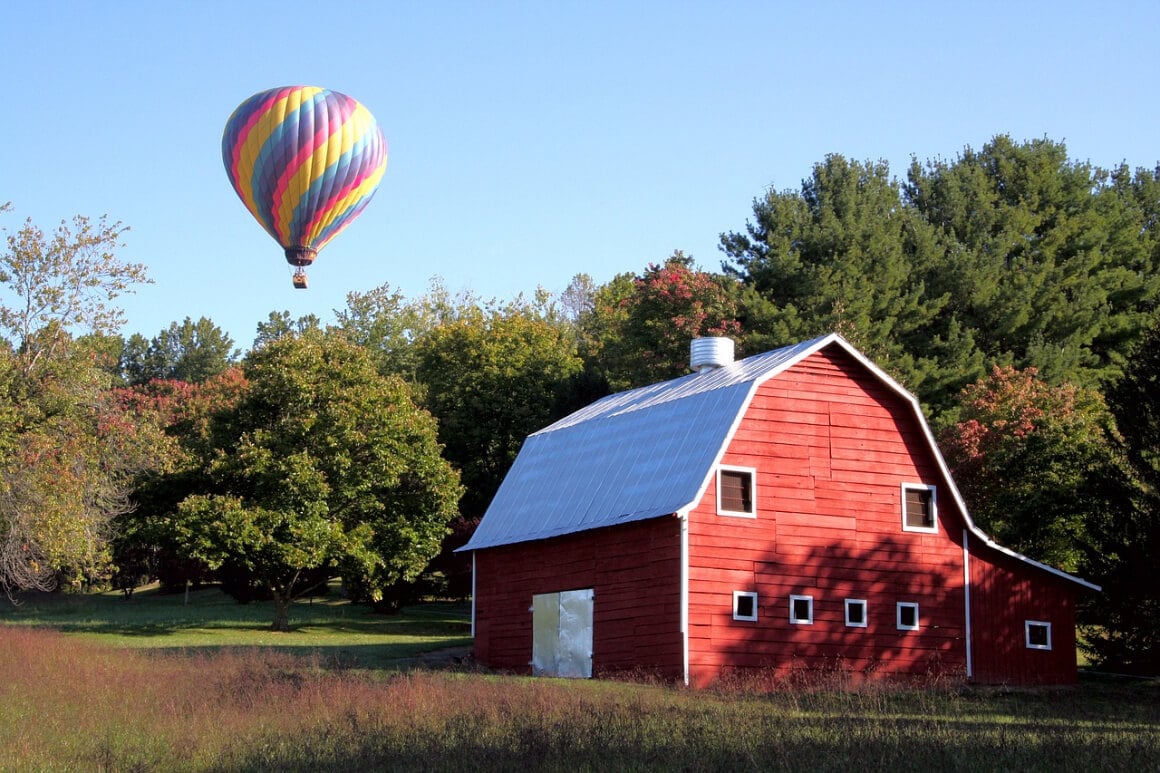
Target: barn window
[(907, 616), (744, 605), (736, 491), (801, 610), (1038, 634), (856, 613), (919, 508)]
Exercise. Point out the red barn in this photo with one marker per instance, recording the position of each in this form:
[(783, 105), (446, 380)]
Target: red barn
[(786, 511)]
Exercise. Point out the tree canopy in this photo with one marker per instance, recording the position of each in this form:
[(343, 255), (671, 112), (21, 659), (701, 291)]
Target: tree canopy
[(492, 377), (68, 453), (322, 464), (191, 351)]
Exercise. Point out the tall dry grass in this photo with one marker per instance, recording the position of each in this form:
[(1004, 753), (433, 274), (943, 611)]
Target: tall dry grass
[(67, 705)]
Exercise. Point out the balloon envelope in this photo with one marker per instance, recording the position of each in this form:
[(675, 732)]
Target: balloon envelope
[(305, 161)]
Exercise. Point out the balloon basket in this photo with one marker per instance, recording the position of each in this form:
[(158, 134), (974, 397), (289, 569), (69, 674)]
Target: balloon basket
[(299, 280)]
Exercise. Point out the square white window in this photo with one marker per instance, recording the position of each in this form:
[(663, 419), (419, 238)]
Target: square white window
[(744, 605), (907, 616), (737, 491), (919, 508), (856, 613), (1038, 634), (801, 610)]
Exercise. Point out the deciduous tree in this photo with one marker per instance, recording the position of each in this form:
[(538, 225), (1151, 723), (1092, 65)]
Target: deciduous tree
[(639, 327), (68, 454), (493, 376), (323, 463), (1033, 462)]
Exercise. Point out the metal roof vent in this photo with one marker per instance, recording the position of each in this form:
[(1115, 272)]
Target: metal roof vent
[(710, 353)]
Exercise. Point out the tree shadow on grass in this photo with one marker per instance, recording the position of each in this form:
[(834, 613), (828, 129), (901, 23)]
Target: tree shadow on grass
[(332, 629)]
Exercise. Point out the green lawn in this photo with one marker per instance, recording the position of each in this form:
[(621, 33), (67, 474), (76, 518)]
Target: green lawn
[(330, 627)]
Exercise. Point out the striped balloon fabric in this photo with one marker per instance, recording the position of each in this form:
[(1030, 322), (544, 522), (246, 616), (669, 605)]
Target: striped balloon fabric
[(305, 161)]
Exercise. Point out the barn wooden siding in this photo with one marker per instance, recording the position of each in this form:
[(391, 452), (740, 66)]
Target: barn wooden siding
[(1004, 595), (635, 571), (832, 446)]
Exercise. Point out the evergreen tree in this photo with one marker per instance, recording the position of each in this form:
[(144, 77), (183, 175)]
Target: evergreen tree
[(1123, 624), (845, 254), (1048, 263)]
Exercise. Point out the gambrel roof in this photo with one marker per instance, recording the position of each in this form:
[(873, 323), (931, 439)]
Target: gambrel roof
[(651, 452)]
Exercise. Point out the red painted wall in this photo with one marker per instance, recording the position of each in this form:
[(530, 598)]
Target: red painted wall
[(635, 570), (1004, 595), (832, 447)]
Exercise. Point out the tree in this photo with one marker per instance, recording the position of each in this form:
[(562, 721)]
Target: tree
[(1123, 624), (639, 327), (1011, 255), (1048, 263), (185, 413), (68, 454), (323, 464), (1033, 463), (492, 377), (63, 283), (844, 254), (192, 352), (387, 325), (279, 324)]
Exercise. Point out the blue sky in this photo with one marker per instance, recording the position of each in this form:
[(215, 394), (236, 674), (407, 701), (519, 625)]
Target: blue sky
[(530, 141)]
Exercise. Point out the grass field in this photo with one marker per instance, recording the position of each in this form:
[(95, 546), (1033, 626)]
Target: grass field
[(78, 693), (326, 627)]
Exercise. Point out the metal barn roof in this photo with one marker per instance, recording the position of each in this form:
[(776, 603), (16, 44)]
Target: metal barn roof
[(639, 454)]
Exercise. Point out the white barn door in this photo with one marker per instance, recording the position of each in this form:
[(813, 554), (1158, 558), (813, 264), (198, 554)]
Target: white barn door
[(562, 633)]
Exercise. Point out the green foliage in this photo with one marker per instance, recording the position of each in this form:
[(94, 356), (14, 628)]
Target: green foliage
[(843, 255), (493, 376), (1008, 255), (68, 452), (1123, 624), (279, 324), (1032, 462), (192, 351), (63, 283), (387, 326), (1049, 263), (637, 329), (322, 463)]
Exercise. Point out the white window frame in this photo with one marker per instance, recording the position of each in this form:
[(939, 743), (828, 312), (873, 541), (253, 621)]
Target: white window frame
[(752, 472), (1028, 625), (933, 528), (898, 615), (747, 594), (809, 620), (865, 612)]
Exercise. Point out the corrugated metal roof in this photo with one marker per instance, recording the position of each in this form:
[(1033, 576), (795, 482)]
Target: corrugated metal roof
[(639, 454)]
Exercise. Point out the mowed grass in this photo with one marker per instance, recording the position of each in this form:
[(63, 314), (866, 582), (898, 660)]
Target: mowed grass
[(327, 627), (80, 699)]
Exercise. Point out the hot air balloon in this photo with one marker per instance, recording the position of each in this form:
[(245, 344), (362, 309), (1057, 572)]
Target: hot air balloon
[(305, 161)]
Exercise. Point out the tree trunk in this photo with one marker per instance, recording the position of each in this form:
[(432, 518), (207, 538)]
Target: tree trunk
[(281, 612)]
